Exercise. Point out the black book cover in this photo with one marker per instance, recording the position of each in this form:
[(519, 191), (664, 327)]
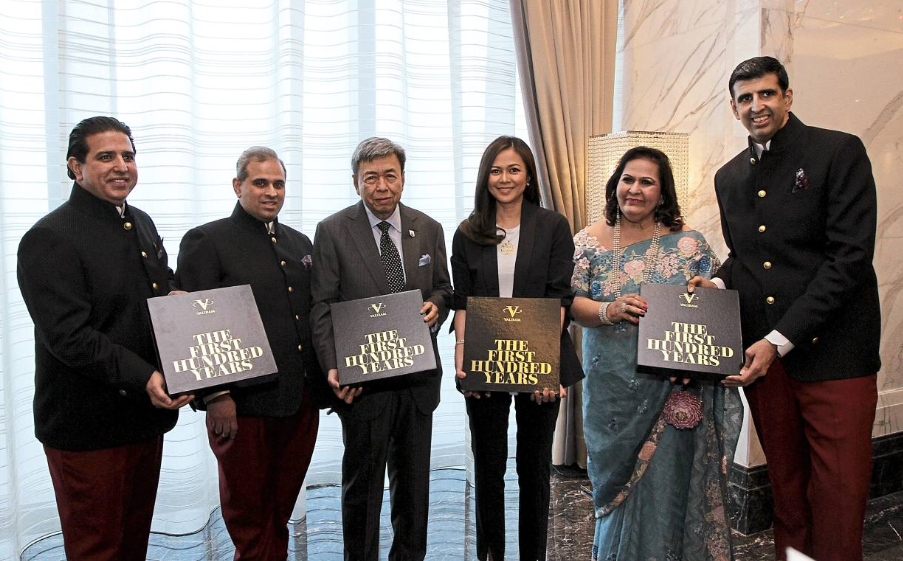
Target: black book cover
[(209, 338), (381, 337), (512, 344), (690, 333)]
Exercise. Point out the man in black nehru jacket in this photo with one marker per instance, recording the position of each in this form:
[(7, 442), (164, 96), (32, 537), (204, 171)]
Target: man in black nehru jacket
[(86, 271), (798, 212), (262, 434)]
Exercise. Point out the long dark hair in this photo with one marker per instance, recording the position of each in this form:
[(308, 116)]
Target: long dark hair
[(480, 225), (668, 213)]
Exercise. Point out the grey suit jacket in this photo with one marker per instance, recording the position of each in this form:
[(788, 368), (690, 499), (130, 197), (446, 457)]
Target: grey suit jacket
[(346, 266)]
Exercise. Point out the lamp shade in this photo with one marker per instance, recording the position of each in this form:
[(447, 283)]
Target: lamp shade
[(605, 150)]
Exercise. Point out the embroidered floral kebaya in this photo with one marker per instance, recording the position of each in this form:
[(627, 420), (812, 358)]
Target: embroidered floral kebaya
[(671, 259)]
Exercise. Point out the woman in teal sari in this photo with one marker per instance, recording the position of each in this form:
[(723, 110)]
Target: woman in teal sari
[(659, 491)]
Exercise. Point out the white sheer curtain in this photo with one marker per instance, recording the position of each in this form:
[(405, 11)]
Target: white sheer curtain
[(198, 82)]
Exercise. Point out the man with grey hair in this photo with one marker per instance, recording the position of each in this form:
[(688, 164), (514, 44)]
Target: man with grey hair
[(379, 246), (262, 434)]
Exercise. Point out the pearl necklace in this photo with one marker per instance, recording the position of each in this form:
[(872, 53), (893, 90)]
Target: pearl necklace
[(648, 261)]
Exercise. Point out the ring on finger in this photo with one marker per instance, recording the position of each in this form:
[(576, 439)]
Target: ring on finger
[(623, 307)]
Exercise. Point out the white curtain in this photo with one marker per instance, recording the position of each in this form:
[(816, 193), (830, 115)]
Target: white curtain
[(198, 82)]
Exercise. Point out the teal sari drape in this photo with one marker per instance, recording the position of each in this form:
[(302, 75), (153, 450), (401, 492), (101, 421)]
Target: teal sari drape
[(658, 492)]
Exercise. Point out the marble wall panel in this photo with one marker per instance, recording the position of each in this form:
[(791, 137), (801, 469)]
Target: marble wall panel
[(674, 80)]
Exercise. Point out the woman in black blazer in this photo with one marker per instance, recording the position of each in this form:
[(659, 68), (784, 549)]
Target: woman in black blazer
[(511, 247)]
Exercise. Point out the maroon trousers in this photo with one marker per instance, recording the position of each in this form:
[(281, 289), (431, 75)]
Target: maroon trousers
[(106, 499), (261, 471), (817, 438)]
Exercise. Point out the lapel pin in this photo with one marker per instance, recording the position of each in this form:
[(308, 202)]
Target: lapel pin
[(411, 233)]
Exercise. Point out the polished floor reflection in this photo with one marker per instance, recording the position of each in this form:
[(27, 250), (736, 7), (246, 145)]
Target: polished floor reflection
[(451, 525)]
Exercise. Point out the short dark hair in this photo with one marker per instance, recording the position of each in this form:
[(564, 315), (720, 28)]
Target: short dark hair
[(668, 213), (78, 138), (480, 226), (757, 67), (257, 154), (375, 148)]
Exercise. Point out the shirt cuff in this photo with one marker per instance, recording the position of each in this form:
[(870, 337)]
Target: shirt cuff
[(783, 344), (214, 395), (719, 283)]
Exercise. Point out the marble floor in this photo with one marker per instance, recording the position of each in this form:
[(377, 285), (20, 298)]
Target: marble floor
[(882, 539), (451, 525)]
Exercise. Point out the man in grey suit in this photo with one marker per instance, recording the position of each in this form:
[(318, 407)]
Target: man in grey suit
[(379, 246)]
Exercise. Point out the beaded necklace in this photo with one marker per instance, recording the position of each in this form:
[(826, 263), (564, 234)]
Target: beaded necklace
[(648, 261)]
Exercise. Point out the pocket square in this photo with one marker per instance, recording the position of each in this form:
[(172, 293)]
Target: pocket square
[(801, 182), (424, 260), (306, 260), (158, 248)]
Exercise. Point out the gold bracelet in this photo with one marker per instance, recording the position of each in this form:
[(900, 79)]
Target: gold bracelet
[(459, 342)]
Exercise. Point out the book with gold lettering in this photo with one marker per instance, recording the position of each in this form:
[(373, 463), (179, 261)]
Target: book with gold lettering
[(381, 337), (209, 338), (683, 334), (512, 344)]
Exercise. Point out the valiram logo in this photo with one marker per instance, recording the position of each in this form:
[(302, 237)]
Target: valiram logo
[(688, 300), (205, 306), (377, 310), (513, 311)]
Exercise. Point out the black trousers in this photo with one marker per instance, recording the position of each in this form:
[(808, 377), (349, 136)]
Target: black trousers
[(489, 442), (399, 437)]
